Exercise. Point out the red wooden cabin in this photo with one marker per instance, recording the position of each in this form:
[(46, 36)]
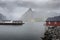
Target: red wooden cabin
[(53, 21)]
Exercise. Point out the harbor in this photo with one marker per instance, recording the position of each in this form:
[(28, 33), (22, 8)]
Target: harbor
[(29, 19)]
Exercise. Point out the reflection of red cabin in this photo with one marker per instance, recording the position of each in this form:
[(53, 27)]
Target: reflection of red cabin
[(54, 21)]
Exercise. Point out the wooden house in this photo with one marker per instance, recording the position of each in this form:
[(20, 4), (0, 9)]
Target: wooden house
[(53, 21)]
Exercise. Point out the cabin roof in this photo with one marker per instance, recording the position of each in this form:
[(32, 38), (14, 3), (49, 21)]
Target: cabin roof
[(56, 18)]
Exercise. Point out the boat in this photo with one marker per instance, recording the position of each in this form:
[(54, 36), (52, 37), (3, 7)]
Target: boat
[(10, 22)]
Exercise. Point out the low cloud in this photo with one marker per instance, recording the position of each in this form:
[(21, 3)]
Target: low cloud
[(51, 7)]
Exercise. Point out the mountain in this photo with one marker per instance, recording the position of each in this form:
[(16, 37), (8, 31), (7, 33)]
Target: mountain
[(27, 16), (2, 17), (31, 16)]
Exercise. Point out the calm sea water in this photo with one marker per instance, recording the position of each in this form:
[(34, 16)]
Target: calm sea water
[(28, 31)]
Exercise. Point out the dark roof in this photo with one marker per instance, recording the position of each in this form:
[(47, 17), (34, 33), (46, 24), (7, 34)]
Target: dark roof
[(56, 18)]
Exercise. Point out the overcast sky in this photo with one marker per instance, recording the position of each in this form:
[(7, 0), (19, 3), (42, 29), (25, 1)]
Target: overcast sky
[(45, 7)]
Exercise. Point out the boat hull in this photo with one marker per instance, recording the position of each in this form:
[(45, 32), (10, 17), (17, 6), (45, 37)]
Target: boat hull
[(11, 23)]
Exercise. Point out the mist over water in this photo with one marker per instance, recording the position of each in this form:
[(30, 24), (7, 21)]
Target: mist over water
[(28, 31)]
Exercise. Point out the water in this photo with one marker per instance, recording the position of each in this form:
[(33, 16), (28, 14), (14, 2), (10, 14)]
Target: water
[(28, 31)]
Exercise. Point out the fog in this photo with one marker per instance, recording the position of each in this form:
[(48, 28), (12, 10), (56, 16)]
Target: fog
[(15, 9)]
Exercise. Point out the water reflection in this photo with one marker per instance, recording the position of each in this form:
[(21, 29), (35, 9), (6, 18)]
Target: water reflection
[(28, 31)]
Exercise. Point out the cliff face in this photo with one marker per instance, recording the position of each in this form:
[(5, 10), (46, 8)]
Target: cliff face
[(31, 16), (2, 17), (27, 16)]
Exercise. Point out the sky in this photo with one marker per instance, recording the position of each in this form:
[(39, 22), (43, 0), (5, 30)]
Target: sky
[(14, 9)]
